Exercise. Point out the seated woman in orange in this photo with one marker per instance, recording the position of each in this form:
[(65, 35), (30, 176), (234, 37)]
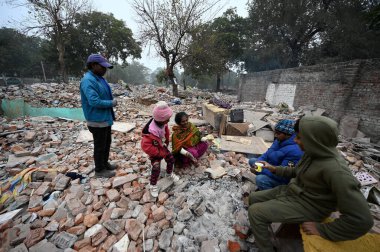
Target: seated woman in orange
[(187, 143)]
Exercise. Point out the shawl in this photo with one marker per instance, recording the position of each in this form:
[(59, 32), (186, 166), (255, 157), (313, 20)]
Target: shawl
[(185, 137)]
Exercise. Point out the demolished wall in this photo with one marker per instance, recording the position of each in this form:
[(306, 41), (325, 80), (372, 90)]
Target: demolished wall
[(345, 88)]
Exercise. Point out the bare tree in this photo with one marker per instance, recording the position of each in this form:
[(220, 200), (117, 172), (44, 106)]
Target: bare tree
[(168, 25), (52, 18)]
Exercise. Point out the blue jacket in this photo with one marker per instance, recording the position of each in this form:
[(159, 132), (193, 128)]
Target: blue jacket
[(96, 96), (281, 154)]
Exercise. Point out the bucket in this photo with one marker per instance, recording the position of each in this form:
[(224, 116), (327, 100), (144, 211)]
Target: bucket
[(237, 115)]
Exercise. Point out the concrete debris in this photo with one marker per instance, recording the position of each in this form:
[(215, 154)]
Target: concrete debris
[(69, 209), (348, 126)]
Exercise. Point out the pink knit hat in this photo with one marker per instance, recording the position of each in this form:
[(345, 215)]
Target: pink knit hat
[(162, 112)]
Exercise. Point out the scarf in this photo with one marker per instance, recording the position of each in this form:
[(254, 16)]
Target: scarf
[(185, 137), (157, 130)]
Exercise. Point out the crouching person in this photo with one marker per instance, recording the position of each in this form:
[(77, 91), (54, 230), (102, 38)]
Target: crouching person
[(283, 152), (321, 183)]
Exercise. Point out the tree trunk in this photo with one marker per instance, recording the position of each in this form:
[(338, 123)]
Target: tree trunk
[(184, 83), (61, 60), (171, 77), (218, 79), (174, 85), (295, 57)]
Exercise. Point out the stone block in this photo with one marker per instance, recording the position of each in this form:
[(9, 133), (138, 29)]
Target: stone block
[(119, 181), (113, 195), (210, 245), (121, 245), (165, 238), (133, 228), (159, 214), (34, 237), (19, 248), (112, 226), (64, 240), (266, 134), (99, 237), (165, 184)]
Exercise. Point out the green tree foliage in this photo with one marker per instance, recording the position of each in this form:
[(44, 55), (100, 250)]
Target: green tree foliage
[(134, 73), (20, 55), (217, 46), (97, 32), (53, 18), (283, 29), (349, 34), (292, 33), (228, 81), (374, 18)]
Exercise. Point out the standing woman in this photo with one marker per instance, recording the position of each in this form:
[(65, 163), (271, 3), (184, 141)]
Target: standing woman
[(187, 143)]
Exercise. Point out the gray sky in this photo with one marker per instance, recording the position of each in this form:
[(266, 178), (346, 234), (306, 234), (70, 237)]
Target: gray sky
[(121, 9)]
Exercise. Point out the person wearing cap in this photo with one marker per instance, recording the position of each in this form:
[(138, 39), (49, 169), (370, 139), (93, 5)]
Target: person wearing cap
[(97, 105), (155, 141), (283, 152), (320, 184)]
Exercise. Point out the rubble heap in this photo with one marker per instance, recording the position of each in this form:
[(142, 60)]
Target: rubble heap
[(61, 206)]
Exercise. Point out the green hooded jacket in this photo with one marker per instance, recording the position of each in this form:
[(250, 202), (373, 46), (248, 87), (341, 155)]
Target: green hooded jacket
[(323, 181)]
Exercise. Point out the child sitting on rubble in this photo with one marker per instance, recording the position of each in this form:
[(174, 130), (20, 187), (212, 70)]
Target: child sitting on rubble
[(154, 142)]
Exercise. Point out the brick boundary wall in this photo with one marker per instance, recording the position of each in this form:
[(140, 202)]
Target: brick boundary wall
[(344, 88)]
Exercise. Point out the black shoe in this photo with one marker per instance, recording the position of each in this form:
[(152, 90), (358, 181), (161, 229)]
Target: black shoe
[(104, 174), (110, 166)]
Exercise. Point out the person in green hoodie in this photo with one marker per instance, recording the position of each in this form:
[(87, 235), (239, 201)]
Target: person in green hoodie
[(320, 184)]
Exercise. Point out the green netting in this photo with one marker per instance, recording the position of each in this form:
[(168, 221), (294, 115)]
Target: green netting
[(18, 108)]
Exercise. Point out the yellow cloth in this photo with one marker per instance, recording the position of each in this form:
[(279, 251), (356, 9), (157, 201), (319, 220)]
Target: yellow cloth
[(12, 187), (366, 243)]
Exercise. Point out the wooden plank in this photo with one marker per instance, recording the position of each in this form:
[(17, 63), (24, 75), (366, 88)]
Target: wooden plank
[(251, 145), (222, 126)]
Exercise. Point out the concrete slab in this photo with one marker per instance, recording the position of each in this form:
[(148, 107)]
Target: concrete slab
[(265, 134), (216, 171), (123, 127), (84, 136), (251, 116), (256, 125), (250, 145), (348, 126), (198, 122), (15, 161)]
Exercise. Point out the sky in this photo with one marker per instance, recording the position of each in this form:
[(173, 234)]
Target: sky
[(16, 17)]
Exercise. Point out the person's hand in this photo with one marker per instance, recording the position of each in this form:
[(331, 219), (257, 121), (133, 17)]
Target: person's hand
[(191, 157), (114, 103), (268, 166), (253, 169), (310, 228)]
